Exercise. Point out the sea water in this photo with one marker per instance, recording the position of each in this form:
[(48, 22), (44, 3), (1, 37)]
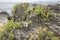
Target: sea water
[(7, 7)]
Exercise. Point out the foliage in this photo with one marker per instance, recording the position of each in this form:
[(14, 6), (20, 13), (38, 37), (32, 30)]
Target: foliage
[(23, 5), (42, 11), (12, 25), (14, 8), (46, 35), (9, 27), (55, 38), (58, 15), (11, 36)]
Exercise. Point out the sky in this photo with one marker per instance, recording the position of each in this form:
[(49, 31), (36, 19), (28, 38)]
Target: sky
[(28, 0)]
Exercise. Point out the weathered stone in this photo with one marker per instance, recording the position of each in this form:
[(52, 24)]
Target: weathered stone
[(3, 18)]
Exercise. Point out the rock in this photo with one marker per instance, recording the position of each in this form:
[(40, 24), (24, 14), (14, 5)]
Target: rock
[(17, 33), (55, 8), (53, 27), (29, 30), (25, 24), (3, 18), (21, 34)]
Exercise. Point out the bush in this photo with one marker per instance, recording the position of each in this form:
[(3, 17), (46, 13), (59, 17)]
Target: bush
[(46, 35), (14, 8), (41, 11), (9, 27)]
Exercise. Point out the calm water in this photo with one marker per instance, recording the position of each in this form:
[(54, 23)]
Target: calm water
[(7, 6)]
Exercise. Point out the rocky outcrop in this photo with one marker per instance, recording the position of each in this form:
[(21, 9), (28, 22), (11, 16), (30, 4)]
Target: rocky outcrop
[(4, 17), (55, 8), (54, 20), (53, 24)]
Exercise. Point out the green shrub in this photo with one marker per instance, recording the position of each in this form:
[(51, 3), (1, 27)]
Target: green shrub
[(10, 26), (14, 8), (42, 11), (11, 36), (46, 35), (22, 5)]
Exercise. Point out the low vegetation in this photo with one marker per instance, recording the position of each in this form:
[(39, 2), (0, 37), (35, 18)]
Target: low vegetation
[(41, 10), (9, 27)]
